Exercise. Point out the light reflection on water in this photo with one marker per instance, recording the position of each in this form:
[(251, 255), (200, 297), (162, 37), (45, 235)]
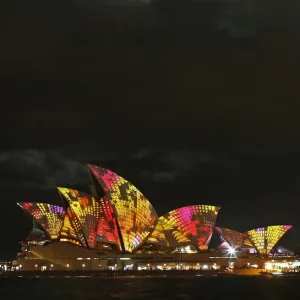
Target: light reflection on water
[(154, 288)]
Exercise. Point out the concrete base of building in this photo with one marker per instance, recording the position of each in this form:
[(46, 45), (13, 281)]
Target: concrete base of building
[(59, 256), (66, 257)]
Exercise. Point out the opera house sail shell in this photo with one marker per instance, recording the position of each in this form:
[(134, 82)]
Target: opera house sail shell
[(68, 233), (50, 217), (265, 238), (233, 239), (135, 215), (158, 236), (122, 221), (190, 225), (85, 210), (91, 217)]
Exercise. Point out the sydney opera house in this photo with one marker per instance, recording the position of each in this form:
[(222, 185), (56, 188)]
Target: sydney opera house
[(116, 227)]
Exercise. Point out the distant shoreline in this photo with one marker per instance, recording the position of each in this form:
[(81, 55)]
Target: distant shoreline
[(82, 274)]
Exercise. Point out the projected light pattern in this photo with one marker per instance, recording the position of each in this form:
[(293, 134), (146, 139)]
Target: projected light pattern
[(87, 211), (192, 224), (173, 234), (233, 238), (68, 233), (49, 216), (95, 217), (265, 238), (76, 224), (135, 215), (247, 242), (224, 245), (124, 220), (158, 236), (107, 231)]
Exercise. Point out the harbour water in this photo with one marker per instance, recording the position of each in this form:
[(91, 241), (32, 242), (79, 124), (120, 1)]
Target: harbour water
[(154, 288)]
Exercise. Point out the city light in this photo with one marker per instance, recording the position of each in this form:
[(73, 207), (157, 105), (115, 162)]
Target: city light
[(231, 251)]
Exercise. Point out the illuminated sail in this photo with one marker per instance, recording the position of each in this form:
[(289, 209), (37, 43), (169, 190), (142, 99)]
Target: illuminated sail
[(224, 245), (234, 238), (93, 215), (68, 233), (107, 231), (49, 216), (135, 215), (265, 238), (190, 225), (158, 236)]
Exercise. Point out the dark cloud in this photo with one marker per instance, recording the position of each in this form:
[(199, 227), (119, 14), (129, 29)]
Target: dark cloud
[(240, 19), (158, 176), (164, 176), (40, 170), (142, 154), (186, 160)]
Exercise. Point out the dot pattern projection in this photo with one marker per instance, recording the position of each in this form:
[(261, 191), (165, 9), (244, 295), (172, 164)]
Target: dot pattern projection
[(94, 216), (68, 233), (158, 236), (265, 238), (135, 215), (247, 242), (107, 231), (49, 216), (190, 224), (234, 238), (224, 245), (87, 211)]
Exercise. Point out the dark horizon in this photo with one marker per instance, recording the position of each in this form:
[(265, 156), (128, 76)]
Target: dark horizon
[(193, 103)]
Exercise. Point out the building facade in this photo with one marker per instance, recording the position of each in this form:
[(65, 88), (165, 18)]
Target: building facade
[(118, 228)]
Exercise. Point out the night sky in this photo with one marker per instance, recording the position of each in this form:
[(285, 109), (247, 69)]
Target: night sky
[(192, 102)]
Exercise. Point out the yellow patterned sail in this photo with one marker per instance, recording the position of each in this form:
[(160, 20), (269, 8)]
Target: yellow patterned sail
[(68, 233), (134, 213), (93, 217), (190, 225), (158, 236), (86, 210), (172, 233), (74, 218), (265, 238), (49, 216)]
